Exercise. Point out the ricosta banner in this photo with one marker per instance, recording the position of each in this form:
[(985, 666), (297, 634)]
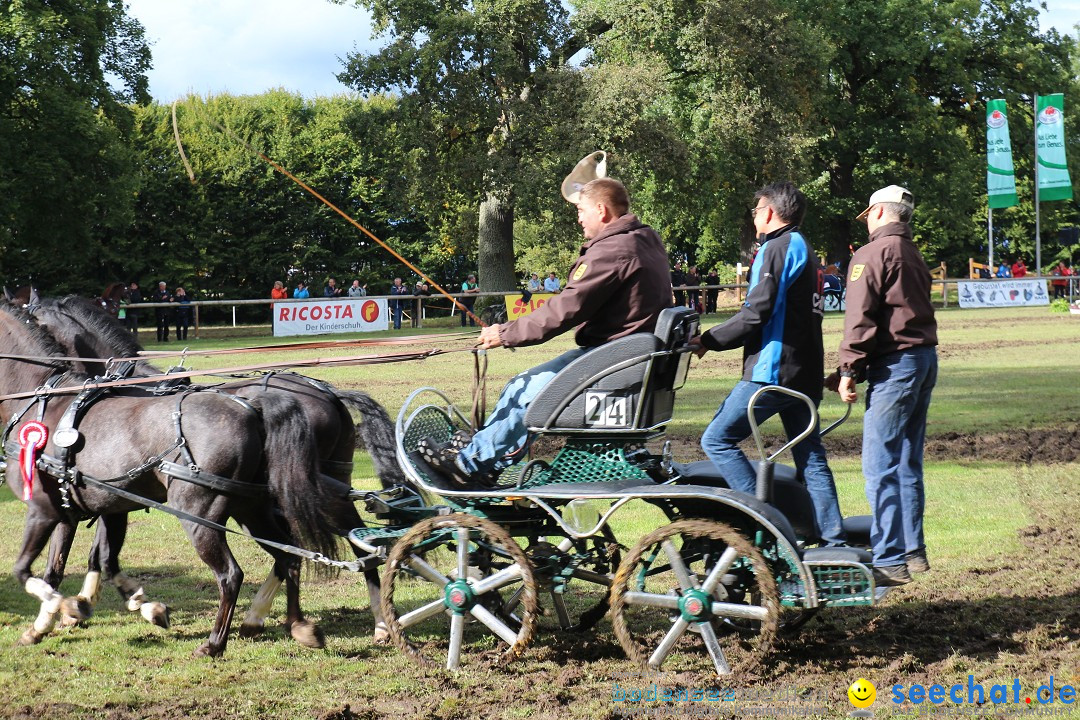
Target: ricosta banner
[(1054, 181), (1000, 177)]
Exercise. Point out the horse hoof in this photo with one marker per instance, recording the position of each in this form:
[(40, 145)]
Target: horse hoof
[(250, 631), (308, 634), (67, 621), (382, 635), (75, 610), (156, 614), (205, 650), (30, 637)]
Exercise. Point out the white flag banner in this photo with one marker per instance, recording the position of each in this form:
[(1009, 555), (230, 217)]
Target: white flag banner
[(319, 317), (1003, 293)]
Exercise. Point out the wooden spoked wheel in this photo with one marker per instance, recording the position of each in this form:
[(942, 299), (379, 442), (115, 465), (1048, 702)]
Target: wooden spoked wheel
[(443, 591), (686, 584)]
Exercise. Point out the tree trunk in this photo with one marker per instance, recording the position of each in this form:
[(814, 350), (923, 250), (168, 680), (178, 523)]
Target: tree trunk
[(841, 185), (495, 243)]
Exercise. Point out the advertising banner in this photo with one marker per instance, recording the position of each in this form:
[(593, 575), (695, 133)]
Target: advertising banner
[(1003, 293), (516, 307), (1054, 183), (1000, 177), (320, 317)]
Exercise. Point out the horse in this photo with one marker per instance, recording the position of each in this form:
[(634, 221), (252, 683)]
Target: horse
[(84, 331), (111, 298), (257, 446)]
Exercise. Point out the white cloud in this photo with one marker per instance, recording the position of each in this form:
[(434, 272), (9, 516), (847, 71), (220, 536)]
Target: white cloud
[(249, 46)]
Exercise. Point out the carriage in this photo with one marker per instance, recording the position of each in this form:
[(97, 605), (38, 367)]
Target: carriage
[(477, 570)]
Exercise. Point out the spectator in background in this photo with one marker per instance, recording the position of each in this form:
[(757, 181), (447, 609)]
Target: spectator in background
[(357, 290), (163, 314), (184, 312), (278, 292), (131, 319), (678, 279), (331, 290), (473, 288), (301, 291), (1060, 286), (535, 284), (1019, 269), (711, 293), (552, 283), (693, 293), (1004, 270), (421, 289), (397, 306)]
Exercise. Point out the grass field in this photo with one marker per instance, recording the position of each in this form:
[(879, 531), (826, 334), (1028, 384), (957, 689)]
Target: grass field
[(1001, 603)]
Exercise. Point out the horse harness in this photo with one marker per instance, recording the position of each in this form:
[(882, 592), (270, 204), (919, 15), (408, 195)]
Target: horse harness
[(67, 439)]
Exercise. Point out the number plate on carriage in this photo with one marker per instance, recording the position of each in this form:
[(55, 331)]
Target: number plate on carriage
[(606, 409)]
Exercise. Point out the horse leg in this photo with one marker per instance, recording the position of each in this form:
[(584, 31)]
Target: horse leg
[(105, 555), (35, 535), (74, 610), (214, 551), (286, 571)]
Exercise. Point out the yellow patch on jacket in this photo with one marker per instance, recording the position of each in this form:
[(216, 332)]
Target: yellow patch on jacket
[(580, 272), (856, 272)]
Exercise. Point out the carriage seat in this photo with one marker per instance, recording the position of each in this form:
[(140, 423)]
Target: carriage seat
[(790, 497), (626, 386)]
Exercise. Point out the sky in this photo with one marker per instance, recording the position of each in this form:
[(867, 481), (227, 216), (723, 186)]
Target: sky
[(245, 47)]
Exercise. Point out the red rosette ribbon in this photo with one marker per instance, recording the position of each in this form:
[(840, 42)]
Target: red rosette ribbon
[(32, 438)]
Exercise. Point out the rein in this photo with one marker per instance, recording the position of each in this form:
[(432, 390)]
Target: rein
[(313, 362)]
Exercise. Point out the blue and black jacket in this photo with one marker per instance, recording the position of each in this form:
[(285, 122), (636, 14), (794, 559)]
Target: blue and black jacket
[(779, 325)]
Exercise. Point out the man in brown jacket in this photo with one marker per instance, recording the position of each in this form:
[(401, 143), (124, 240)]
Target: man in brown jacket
[(617, 287), (890, 339)]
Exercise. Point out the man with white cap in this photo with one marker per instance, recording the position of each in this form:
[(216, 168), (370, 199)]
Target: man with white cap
[(890, 339), (617, 287)]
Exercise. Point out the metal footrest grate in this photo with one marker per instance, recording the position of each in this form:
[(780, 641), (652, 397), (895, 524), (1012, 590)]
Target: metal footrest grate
[(841, 584)]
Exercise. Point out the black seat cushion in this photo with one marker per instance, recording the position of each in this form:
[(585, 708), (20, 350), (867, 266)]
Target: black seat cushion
[(789, 495), (857, 528), (838, 554)]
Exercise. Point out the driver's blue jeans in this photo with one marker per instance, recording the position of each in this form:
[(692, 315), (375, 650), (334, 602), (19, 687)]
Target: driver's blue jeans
[(731, 425), (504, 438), (894, 427)]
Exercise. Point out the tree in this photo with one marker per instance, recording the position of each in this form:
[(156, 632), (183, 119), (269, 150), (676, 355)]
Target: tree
[(67, 72), (478, 81)]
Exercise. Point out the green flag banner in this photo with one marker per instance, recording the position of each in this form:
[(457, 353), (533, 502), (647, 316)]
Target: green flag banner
[(1054, 181), (1000, 179)]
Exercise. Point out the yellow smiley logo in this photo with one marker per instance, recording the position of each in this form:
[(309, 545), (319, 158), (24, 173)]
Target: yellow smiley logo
[(862, 693)]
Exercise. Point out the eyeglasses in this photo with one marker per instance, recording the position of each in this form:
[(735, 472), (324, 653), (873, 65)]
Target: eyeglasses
[(755, 210)]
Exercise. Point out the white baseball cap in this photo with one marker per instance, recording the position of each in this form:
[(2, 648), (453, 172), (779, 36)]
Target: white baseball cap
[(891, 194)]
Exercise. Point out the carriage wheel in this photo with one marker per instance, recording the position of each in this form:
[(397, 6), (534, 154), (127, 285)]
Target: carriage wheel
[(689, 580), (452, 571)]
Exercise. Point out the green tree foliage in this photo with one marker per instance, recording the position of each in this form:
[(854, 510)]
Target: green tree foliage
[(242, 225), (67, 70), (481, 83)]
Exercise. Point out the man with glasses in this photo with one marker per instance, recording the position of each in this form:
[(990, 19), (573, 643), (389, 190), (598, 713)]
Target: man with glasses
[(779, 329), (890, 340)]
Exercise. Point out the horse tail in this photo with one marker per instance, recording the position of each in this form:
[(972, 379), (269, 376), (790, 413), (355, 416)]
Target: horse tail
[(376, 431), (293, 472)]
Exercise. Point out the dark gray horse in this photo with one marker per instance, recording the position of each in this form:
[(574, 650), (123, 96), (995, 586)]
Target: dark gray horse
[(264, 444), (83, 330)]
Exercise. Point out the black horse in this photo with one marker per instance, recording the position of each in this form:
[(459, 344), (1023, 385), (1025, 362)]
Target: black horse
[(84, 331), (263, 444)]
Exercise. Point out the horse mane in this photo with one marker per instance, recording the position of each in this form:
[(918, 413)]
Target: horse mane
[(47, 343), (94, 319)]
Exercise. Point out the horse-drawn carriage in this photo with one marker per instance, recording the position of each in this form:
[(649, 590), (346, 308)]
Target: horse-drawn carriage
[(711, 563), (723, 565)]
